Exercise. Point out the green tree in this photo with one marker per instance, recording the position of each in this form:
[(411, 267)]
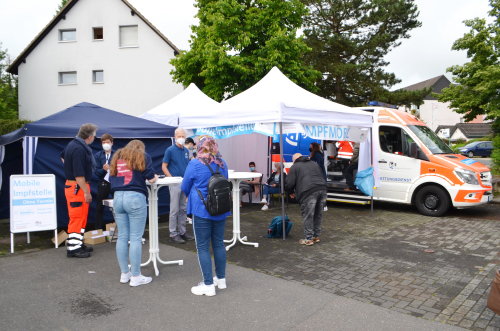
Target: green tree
[(238, 41), (349, 40), (8, 89), (477, 88), (61, 5)]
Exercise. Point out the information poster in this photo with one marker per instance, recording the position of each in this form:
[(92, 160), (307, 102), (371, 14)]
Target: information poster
[(32, 203)]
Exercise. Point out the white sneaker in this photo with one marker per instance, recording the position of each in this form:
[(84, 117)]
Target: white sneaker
[(125, 277), (202, 289), (325, 208), (189, 220), (265, 207), (263, 201), (220, 283), (140, 280)]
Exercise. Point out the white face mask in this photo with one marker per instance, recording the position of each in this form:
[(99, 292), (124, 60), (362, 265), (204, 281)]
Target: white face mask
[(106, 147), (180, 141)]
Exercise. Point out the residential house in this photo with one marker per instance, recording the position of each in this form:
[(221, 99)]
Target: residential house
[(99, 51), (464, 131)]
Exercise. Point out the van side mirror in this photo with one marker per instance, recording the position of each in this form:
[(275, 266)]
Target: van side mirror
[(416, 152)]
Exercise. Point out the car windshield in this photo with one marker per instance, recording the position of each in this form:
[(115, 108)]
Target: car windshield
[(471, 144), (430, 139)]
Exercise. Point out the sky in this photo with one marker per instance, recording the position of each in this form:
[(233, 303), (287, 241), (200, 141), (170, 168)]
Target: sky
[(426, 54)]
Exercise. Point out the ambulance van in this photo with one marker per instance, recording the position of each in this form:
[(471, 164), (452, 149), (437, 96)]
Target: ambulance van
[(416, 167)]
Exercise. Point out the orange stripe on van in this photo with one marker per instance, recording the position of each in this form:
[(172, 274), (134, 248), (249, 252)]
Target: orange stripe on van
[(433, 168), (460, 197)]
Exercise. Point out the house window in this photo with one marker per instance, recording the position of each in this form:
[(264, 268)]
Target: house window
[(129, 36), (98, 76), (98, 33), (67, 35), (67, 78)]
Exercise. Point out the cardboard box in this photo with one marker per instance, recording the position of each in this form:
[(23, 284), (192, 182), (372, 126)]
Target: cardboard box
[(94, 237), (61, 238), (111, 231)]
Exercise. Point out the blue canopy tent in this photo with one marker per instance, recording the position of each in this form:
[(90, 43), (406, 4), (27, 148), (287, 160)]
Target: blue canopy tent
[(39, 145)]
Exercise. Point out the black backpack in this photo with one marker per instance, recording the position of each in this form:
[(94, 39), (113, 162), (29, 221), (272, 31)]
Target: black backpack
[(219, 200)]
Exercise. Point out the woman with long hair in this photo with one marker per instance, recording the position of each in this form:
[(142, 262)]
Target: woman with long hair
[(317, 156), (207, 228), (130, 167)]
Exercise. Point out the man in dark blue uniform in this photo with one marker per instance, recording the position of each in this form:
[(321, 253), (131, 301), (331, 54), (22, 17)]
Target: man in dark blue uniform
[(79, 166), (103, 159)]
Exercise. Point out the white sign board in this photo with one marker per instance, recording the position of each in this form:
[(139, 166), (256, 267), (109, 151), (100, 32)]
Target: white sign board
[(32, 203)]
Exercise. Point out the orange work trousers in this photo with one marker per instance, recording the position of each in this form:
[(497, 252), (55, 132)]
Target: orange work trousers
[(78, 209)]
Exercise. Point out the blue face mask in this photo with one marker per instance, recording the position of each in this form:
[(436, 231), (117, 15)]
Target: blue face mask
[(252, 168)]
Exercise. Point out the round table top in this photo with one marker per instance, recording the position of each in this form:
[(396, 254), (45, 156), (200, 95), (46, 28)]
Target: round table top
[(244, 175)]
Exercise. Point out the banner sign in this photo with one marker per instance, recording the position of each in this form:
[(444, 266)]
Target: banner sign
[(32, 203), (313, 131)]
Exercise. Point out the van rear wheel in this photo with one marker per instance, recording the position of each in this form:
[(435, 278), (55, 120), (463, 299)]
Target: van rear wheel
[(432, 201)]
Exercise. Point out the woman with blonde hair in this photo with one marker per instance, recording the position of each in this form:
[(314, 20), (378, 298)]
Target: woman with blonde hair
[(130, 167), (207, 228)]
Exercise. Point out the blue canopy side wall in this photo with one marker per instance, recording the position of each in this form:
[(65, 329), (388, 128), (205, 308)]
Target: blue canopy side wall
[(12, 165), (47, 160)]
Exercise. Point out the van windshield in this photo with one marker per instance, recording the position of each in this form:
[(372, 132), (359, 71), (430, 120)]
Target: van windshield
[(430, 139)]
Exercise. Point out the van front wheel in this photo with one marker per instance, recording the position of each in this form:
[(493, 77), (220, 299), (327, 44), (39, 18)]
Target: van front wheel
[(432, 201)]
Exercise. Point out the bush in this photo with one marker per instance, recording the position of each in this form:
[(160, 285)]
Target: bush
[(7, 126), (495, 156)]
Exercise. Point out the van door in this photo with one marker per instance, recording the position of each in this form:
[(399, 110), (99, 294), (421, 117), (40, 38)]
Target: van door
[(398, 171)]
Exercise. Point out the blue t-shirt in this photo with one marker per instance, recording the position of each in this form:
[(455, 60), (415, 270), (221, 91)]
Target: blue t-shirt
[(197, 176), (78, 160), (177, 159), (135, 180)]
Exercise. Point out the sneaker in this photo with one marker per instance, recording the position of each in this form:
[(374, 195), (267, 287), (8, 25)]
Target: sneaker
[(187, 237), (140, 280), (202, 289), (265, 207), (79, 253), (220, 283), (125, 277), (316, 240), (189, 220), (87, 248), (263, 201), (177, 240), (325, 208), (306, 242)]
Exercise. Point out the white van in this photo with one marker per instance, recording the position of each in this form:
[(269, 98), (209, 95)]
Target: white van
[(416, 167)]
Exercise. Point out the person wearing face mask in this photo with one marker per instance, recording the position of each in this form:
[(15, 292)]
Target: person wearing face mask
[(273, 185), (174, 164), (191, 146), (103, 160), (251, 186)]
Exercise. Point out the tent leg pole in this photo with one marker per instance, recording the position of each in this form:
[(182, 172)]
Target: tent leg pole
[(282, 183)]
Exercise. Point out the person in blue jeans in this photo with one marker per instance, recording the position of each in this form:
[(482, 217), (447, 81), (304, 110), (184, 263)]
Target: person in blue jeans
[(207, 228), (273, 185), (130, 167)]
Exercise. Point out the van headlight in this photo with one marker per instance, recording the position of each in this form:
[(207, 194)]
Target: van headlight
[(467, 176)]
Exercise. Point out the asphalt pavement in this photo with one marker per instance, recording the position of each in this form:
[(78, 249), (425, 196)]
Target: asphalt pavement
[(44, 290)]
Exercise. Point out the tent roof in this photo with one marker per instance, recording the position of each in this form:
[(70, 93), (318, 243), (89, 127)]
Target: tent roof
[(273, 99), (65, 124), (190, 101)]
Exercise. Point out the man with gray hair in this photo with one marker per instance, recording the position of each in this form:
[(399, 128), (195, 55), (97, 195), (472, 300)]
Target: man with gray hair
[(174, 164), (79, 165)]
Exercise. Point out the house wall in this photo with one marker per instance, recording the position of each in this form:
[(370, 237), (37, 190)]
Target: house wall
[(135, 79), (458, 134), (435, 113)]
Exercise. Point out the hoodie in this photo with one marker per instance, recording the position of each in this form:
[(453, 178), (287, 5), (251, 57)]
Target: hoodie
[(305, 177)]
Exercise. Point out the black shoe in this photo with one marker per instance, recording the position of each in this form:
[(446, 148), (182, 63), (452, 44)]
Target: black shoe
[(80, 252), (187, 237), (177, 240), (87, 248)]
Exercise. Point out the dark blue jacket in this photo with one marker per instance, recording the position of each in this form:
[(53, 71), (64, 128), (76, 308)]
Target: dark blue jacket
[(136, 181), (100, 160), (196, 176), (320, 160)]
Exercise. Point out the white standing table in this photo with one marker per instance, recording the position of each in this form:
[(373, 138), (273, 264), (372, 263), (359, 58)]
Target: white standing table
[(236, 178), (154, 245)]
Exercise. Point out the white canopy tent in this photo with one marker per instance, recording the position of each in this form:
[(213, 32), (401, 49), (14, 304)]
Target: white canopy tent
[(192, 101), (276, 101)]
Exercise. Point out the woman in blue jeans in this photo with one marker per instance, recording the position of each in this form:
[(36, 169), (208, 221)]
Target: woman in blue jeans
[(207, 229), (129, 170)]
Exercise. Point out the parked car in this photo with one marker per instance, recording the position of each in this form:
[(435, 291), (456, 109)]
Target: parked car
[(477, 148)]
